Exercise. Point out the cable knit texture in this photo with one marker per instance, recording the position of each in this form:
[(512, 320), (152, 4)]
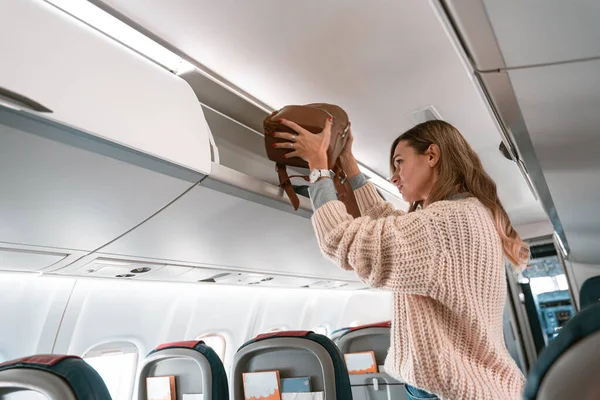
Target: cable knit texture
[(445, 266)]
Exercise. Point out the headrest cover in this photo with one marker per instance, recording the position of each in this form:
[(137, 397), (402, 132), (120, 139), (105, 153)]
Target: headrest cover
[(48, 360), (386, 324), (189, 344), (282, 334)]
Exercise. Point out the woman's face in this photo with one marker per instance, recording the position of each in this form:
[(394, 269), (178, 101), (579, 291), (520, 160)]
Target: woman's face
[(414, 173)]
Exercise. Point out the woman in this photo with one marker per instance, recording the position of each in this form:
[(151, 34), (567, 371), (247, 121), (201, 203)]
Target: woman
[(443, 260)]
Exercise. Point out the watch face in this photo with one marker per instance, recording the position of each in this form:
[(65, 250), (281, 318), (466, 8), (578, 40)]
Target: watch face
[(314, 175)]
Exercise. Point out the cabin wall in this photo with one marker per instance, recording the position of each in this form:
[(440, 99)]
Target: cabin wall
[(45, 314)]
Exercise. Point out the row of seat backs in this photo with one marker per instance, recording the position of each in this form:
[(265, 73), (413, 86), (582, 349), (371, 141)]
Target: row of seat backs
[(69, 377), (197, 367), (64, 377)]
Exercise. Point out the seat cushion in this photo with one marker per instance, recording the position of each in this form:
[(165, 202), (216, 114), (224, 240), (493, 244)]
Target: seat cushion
[(583, 324), (84, 381)]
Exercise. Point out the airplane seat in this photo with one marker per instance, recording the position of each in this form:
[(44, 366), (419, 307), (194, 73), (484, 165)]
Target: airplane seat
[(196, 367), (295, 354), (53, 377), (589, 294), (568, 367), (376, 338)]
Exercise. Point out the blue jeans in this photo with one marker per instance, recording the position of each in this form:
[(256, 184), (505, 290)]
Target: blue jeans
[(417, 394)]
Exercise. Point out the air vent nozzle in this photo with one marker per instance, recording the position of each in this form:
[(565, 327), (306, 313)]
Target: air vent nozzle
[(140, 270)]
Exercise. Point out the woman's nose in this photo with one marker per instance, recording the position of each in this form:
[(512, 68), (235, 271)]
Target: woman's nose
[(395, 179)]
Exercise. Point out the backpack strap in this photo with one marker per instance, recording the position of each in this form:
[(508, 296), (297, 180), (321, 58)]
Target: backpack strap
[(345, 191), (286, 184), (342, 187)]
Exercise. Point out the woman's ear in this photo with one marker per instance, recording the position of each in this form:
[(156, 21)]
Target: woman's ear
[(433, 152)]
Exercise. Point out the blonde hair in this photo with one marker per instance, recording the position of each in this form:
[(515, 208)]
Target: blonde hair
[(460, 170)]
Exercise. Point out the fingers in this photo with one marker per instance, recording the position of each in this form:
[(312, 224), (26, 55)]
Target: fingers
[(285, 135), (291, 154), (327, 127), (284, 145), (294, 126)]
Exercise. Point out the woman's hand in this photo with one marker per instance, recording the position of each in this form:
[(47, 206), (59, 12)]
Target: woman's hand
[(312, 148)]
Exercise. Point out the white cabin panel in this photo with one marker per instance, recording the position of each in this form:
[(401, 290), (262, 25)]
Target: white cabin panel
[(209, 227), (31, 308), (66, 190)]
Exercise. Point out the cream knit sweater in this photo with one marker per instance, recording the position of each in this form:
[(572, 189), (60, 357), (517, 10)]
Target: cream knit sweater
[(445, 267)]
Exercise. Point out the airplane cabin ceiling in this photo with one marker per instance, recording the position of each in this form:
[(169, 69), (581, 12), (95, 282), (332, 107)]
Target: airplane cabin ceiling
[(535, 32), (381, 61)]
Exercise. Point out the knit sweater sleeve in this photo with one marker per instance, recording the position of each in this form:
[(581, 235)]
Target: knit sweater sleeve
[(397, 252), (372, 205)]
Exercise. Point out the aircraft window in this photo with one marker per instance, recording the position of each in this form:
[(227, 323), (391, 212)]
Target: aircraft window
[(117, 365), (216, 342), (354, 323), (322, 330)]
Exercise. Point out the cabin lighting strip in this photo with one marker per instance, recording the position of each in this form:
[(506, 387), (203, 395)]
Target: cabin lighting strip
[(102, 21)]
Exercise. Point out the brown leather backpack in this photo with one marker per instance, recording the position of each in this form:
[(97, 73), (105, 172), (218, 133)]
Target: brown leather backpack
[(311, 117)]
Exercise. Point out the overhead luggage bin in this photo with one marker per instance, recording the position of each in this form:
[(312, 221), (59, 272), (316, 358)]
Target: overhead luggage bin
[(115, 140), (94, 84)]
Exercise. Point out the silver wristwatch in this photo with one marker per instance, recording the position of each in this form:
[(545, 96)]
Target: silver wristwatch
[(315, 174)]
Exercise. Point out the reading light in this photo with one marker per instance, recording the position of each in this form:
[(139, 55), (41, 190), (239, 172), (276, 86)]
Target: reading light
[(122, 33)]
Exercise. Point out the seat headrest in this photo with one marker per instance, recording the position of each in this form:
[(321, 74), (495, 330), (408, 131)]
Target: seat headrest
[(47, 360), (386, 324), (590, 292), (83, 380), (186, 344), (281, 334), (582, 325)]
